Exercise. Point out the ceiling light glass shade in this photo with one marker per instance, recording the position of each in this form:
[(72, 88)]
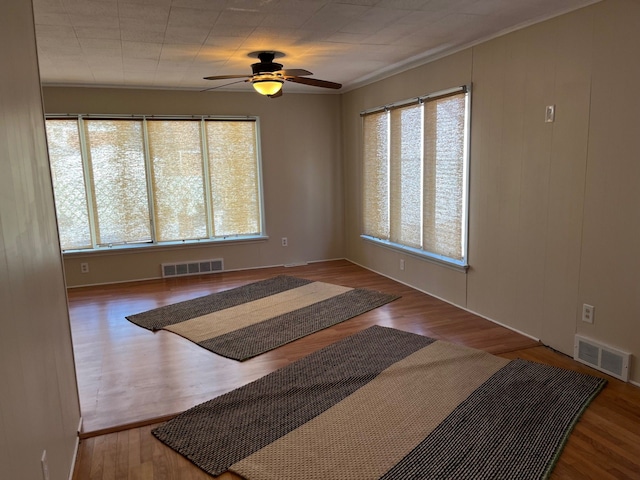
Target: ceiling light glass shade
[(267, 87)]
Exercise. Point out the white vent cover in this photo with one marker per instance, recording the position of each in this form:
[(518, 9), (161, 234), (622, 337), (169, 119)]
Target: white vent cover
[(196, 267), (601, 357)]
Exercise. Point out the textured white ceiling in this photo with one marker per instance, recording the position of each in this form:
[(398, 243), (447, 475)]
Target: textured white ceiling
[(174, 43)]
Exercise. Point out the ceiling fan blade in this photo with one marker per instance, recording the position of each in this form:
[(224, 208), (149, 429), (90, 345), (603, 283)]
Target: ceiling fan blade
[(276, 95), (226, 77), (314, 82), (223, 85), (293, 72)]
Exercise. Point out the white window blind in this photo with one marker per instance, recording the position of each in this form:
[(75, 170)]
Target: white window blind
[(154, 181), (234, 177), (415, 163), (115, 154), (376, 175), (405, 157), (175, 151), (445, 176), (72, 209)]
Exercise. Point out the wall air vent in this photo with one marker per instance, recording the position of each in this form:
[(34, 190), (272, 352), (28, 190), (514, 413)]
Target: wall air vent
[(196, 267), (601, 357)]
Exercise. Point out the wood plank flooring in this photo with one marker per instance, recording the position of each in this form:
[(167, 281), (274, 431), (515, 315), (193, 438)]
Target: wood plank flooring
[(130, 378)]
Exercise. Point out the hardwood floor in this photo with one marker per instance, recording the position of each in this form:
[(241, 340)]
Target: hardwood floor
[(130, 378)]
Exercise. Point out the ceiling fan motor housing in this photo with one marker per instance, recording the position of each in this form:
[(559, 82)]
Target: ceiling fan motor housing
[(266, 64)]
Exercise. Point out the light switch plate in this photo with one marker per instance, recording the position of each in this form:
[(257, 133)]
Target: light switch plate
[(550, 114)]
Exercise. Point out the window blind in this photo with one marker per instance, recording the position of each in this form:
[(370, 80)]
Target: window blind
[(376, 175), (405, 157), (115, 151), (444, 176), (65, 157), (234, 177), (415, 161), (175, 151)]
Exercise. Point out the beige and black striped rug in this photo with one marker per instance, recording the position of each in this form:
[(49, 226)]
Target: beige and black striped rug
[(246, 321), (387, 404)]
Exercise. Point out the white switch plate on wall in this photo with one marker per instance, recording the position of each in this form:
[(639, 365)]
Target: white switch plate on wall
[(550, 114)]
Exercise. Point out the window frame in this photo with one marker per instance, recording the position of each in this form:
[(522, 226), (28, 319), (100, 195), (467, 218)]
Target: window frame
[(456, 264), (154, 243)]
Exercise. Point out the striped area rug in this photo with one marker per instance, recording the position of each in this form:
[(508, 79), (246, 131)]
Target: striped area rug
[(246, 321), (387, 404)]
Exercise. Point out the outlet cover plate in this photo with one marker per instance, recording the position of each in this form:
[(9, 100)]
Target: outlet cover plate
[(588, 313)]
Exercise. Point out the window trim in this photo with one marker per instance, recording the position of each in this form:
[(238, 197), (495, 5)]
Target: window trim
[(458, 265), (127, 247), (146, 247)]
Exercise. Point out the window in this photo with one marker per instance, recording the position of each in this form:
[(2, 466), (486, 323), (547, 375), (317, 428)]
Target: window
[(126, 181), (415, 169)]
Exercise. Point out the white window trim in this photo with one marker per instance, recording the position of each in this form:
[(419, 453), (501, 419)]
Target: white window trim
[(459, 265)]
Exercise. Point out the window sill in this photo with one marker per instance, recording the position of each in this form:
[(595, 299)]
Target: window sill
[(156, 247), (460, 266)]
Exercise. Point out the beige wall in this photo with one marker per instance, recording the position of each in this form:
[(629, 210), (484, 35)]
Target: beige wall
[(554, 216), (302, 176), (610, 253), (38, 398), (527, 182)]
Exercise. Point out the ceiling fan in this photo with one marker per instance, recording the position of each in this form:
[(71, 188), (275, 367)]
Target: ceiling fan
[(268, 76)]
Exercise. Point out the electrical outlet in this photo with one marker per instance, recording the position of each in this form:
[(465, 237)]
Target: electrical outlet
[(45, 466), (588, 313), (84, 267), (402, 264), (285, 242)]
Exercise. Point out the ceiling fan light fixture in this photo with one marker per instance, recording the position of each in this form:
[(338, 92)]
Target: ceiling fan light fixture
[(267, 87)]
